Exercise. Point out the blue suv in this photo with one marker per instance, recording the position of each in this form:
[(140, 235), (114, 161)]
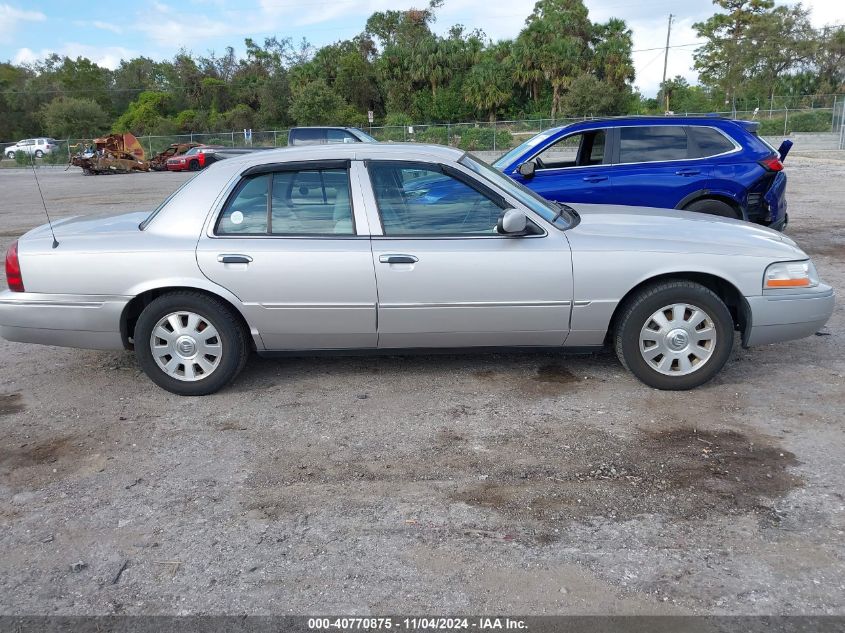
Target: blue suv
[(705, 164)]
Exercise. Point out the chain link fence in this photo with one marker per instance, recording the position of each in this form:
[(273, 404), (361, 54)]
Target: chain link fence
[(497, 136)]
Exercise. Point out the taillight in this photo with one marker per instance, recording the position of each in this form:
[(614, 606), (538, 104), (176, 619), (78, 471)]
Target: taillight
[(13, 269), (772, 163)]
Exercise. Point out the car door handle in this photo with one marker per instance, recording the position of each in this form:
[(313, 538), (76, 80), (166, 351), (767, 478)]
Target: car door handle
[(687, 172), (398, 259), (594, 178), (234, 259)]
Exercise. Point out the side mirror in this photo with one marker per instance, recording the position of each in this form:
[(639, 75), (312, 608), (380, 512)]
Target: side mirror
[(512, 222), (527, 169)]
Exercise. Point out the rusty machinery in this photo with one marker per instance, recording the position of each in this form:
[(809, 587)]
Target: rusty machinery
[(115, 153)]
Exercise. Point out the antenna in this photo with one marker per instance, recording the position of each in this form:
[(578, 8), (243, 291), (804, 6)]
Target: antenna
[(44, 204)]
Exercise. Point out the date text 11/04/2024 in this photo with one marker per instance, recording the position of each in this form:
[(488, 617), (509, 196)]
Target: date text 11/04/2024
[(417, 624)]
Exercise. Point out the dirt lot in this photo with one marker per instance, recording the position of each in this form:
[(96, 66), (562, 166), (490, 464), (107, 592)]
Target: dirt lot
[(452, 484)]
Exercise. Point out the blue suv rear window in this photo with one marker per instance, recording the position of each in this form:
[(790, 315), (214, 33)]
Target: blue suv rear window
[(710, 142), (650, 143)]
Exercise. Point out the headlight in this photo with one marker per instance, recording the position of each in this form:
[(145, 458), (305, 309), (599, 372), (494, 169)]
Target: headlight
[(791, 275)]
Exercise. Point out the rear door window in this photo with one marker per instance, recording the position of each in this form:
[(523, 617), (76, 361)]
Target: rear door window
[(298, 202), (708, 141), (339, 136), (307, 136), (653, 143)]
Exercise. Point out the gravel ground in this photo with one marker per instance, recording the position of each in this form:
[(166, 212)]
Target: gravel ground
[(530, 484)]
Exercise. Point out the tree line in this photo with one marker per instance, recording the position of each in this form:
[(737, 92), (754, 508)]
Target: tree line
[(560, 64)]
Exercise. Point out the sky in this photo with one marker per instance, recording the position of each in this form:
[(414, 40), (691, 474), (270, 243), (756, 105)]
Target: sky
[(108, 31)]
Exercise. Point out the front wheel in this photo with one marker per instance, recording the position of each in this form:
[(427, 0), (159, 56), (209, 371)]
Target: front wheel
[(190, 344), (10, 155), (674, 335), (194, 165)]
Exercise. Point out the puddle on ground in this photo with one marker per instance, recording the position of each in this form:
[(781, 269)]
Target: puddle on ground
[(547, 380), (11, 403), (538, 477)]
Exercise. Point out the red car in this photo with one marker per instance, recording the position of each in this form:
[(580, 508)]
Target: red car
[(194, 159)]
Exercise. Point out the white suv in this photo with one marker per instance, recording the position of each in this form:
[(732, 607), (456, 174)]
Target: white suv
[(33, 146)]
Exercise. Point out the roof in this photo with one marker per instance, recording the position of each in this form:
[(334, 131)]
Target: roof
[(353, 151), (667, 119)]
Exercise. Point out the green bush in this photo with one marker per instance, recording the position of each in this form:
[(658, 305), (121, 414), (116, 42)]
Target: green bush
[(438, 135), (797, 122), (394, 133), (482, 139), (57, 157), (22, 159)]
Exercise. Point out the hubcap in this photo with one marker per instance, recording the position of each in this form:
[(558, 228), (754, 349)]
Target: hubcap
[(186, 346), (678, 339)]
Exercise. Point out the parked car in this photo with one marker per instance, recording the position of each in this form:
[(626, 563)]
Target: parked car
[(201, 157), (37, 147), (706, 164), (324, 135), (194, 159), (336, 248)]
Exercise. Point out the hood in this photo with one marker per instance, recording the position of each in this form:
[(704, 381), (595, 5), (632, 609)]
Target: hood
[(90, 225), (645, 228)]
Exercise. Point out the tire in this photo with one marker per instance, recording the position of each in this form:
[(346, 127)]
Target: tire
[(39, 154), (710, 206), (188, 315), (10, 155), (194, 165), (654, 352)]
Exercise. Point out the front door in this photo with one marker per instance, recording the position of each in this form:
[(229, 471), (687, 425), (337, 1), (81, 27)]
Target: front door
[(447, 278), (285, 243), (573, 169)]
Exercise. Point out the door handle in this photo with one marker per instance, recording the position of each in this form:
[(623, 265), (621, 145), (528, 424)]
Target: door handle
[(594, 178), (398, 259), (234, 259), (687, 172)]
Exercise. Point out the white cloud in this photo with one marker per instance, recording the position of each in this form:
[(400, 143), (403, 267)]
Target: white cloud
[(105, 56), (10, 16), (107, 26)]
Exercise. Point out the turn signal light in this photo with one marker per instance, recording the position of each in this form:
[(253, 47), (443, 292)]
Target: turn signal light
[(13, 269), (791, 275)]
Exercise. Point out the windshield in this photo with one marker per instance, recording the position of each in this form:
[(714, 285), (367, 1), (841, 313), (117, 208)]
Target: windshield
[(548, 210), (517, 151), (364, 136)]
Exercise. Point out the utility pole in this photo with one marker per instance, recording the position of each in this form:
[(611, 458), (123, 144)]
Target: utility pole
[(666, 62)]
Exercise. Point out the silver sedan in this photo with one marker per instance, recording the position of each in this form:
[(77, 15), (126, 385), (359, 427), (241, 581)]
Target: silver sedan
[(396, 247)]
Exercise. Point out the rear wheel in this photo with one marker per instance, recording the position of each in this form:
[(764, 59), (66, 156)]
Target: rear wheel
[(190, 344), (39, 153), (711, 206), (674, 335)]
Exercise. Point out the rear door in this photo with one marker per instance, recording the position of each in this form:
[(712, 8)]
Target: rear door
[(291, 242), (656, 166), (574, 169)]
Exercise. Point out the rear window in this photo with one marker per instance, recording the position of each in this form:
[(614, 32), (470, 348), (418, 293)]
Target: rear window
[(709, 141), (651, 143)]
